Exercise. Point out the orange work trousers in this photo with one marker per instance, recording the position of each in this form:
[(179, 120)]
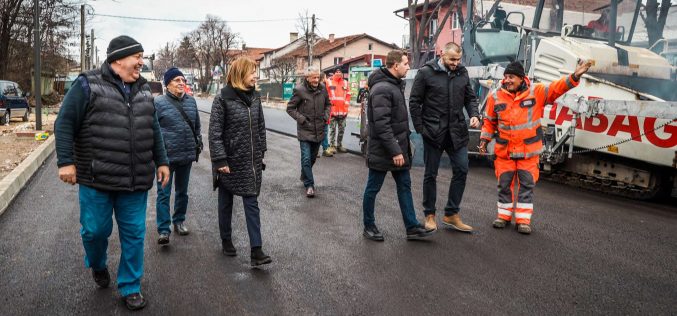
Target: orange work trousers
[(516, 181)]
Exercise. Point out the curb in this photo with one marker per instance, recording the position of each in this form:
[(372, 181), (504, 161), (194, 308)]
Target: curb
[(11, 185)]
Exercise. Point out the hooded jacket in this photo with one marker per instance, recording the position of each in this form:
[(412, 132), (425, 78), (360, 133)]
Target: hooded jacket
[(437, 100), (388, 122)]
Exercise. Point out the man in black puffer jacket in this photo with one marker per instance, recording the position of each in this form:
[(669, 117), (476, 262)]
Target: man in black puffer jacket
[(389, 148), (309, 106), (440, 92), (108, 141)]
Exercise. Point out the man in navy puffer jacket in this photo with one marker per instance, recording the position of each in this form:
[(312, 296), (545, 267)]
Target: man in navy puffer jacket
[(181, 144)]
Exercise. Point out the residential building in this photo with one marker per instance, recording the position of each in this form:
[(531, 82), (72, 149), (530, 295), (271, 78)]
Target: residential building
[(333, 51)]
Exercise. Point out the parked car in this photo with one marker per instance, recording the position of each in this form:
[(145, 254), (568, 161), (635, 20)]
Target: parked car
[(13, 102)]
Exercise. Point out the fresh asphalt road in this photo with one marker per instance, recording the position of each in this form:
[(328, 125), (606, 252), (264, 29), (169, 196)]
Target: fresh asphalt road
[(589, 253)]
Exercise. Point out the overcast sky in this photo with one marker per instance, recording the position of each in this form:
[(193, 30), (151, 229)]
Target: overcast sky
[(345, 17)]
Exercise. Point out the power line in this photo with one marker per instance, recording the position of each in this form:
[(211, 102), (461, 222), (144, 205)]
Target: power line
[(186, 21)]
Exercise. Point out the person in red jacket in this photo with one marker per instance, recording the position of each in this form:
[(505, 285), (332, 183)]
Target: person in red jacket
[(339, 94), (513, 117)]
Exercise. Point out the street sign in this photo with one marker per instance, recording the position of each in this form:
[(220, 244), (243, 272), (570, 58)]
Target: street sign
[(376, 63), (287, 90)]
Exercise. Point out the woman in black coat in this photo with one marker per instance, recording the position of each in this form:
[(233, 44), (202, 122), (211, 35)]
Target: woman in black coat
[(237, 143)]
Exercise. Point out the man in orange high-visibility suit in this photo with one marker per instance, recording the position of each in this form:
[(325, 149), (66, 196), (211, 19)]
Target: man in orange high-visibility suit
[(339, 95), (513, 116)]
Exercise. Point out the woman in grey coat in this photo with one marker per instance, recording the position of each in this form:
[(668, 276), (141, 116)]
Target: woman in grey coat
[(237, 143)]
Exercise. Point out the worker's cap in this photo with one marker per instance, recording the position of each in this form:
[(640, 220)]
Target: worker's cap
[(515, 68)]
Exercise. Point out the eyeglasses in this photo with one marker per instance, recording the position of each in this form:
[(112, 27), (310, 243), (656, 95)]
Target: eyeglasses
[(178, 80)]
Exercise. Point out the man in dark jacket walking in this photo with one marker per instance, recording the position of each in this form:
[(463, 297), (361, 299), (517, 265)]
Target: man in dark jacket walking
[(310, 107), (440, 92), (108, 141), (180, 125), (389, 148)]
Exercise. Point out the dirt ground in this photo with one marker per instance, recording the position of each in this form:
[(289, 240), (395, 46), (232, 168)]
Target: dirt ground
[(13, 149)]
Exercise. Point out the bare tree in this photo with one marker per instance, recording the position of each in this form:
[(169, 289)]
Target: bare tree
[(9, 12), (213, 40), (654, 18), (202, 58), (283, 69), (16, 34), (166, 58), (185, 53), (421, 42)]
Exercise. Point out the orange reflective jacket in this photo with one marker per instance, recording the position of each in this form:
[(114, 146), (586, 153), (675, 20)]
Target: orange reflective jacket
[(515, 118), (339, 95)]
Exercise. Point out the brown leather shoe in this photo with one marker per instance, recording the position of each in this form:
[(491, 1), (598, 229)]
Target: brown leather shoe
[(430, 222), (454, 221)]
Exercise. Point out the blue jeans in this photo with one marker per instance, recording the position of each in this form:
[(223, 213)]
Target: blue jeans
[(308, 156), (180, 176), (459, 166), (96, 212), (374, 183), (325, 141), (251, 213)]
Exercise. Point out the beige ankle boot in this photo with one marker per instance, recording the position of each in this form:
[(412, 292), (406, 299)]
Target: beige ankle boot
[(454, 221)]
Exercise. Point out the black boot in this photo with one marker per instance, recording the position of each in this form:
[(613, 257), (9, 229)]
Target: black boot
[(259, 258), (228, 248), (102, 278)]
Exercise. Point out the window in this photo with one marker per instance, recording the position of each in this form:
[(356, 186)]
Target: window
[(370, 46), (8, 89), (338, 60), (454, 21), (433, 26)]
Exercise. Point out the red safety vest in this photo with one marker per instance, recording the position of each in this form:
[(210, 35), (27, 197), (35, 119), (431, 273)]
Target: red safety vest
[(339, 95)]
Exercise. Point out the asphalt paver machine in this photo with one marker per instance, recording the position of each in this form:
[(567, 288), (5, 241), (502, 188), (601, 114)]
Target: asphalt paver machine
[(617, 131)]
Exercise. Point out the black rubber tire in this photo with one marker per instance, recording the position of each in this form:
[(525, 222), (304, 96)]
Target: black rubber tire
[(5, 118)]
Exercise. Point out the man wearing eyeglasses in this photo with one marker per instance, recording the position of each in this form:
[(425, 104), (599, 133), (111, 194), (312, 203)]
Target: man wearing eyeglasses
[(180, 126)]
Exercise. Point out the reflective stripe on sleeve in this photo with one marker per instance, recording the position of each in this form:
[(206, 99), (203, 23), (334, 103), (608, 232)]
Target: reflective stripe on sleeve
[(486, 135)]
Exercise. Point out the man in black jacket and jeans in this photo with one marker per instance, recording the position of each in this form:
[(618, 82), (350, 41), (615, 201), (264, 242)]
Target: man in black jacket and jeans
[(389, 148), (440, 92), (310, 107), (108, 141)]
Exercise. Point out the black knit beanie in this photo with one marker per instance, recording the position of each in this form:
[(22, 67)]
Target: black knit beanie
[(172, 73), (121, 47), (515, 68)]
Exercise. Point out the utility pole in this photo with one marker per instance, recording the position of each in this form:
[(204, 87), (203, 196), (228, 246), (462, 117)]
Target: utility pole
[(82, 38), (312, 37), (37, 84), (92, 64)]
